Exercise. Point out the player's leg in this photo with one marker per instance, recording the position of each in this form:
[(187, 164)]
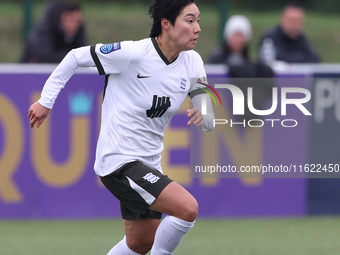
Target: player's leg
[(140, 234), (182, 209), (136, 186), (122, 248), (176, 201), (138, 239)]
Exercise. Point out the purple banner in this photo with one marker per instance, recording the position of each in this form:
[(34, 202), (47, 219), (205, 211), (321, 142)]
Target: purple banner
[(246, 142), (48, 172)]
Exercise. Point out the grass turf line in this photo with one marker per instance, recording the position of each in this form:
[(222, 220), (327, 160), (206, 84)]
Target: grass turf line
[(300, 236)]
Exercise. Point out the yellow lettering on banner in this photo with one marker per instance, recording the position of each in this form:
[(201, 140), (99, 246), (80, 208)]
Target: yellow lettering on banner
[(12, 150), (69, 172), (244, 149), (176, 139)]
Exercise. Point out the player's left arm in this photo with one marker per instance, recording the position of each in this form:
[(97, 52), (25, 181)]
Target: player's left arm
[(203, 122), (195, 117)]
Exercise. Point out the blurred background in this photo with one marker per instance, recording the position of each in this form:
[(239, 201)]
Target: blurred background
[(51, 202), (108, 21)]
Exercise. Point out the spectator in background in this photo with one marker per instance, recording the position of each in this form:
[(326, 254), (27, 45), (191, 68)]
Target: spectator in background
[(287, 42), (60, 30), (235, 50), (235, 54)]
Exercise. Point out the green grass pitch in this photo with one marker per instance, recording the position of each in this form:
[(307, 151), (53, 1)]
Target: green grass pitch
[(296, 236)]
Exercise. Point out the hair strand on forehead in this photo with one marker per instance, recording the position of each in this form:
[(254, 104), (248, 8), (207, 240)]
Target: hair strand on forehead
[(169, 9)]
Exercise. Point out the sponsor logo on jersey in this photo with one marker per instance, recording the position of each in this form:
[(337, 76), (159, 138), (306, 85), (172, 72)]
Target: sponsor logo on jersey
[(183, 84), (159, 106), (111, 47), (150, 177), (139, 76)]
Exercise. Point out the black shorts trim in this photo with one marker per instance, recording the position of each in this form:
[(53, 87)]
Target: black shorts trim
[(136, 186)]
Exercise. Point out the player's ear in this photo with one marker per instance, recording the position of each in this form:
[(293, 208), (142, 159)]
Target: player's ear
[(165, 24)]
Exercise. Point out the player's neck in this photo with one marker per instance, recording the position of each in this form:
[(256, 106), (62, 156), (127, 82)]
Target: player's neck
[(168, 48)]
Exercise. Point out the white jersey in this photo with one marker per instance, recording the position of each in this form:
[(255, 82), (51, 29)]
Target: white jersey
[(143, 92)]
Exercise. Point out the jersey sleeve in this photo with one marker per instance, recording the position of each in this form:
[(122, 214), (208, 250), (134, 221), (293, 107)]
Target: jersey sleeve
[(198, 91), (198, 74), (112, 58), (76, 58)]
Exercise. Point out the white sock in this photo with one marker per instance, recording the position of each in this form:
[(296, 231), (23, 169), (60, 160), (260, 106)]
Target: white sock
[(121, 248), (169, 234)]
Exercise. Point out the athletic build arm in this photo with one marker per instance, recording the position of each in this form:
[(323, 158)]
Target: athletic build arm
[(203, 122), (39, 110)]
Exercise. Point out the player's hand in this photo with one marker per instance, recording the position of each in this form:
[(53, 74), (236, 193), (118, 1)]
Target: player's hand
[(195, 116), (37, 114)]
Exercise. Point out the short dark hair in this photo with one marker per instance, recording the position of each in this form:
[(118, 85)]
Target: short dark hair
[(294, 4), (71, 6), (169, 9)]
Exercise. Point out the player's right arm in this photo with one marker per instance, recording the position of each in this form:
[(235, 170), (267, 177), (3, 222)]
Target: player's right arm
[(114, 60), (37, 114), (39, 110)]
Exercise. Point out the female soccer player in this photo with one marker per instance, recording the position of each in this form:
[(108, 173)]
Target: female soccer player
[(147, 82)]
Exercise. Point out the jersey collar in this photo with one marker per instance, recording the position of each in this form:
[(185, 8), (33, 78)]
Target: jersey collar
[(160, 53)]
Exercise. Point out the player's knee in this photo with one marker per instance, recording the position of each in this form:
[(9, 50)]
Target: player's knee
[(141, 246), (190, 211)]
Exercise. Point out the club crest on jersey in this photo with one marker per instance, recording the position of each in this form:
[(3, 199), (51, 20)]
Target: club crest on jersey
[(183, 84), (150, 177), (108, 48)]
